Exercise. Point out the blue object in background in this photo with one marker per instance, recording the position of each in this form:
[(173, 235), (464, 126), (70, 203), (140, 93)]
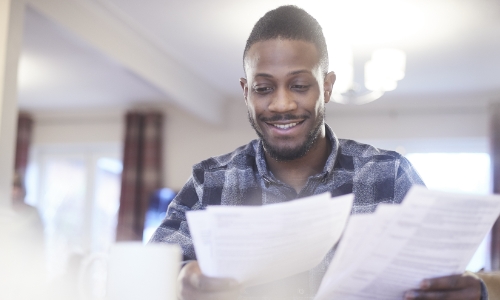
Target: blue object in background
[(158, 205)]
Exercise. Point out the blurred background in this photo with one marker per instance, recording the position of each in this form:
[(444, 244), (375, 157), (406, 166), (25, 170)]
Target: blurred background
[(117, 99)]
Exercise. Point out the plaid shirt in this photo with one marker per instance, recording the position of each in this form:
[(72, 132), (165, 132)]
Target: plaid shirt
[(242, 178)]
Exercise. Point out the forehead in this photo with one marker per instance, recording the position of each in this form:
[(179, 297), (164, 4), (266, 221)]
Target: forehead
[(281, 55)]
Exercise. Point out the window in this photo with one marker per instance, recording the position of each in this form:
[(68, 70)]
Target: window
[(77, 193)]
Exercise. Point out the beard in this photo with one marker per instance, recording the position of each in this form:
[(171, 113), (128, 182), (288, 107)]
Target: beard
[(289, 153)]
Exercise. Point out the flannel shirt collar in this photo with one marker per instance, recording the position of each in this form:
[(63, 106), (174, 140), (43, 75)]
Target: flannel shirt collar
[(327, 170)]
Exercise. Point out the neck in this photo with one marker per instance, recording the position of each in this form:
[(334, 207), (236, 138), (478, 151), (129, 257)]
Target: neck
[(296, 172)]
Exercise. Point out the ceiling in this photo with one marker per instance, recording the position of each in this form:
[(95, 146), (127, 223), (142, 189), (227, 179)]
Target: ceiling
[(59, 71), (452, 49)]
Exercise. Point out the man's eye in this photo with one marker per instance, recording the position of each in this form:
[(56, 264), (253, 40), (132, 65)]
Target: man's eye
[(300, 87), (262, 89)]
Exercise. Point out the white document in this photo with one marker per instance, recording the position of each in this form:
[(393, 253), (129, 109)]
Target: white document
[(430, 234), (260, 244)]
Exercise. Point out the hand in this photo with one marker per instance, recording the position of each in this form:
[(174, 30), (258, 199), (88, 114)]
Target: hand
[(195, 286), (456, 287)]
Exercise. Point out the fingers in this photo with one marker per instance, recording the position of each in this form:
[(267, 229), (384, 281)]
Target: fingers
[(194, 285), (449, 283), (467, 294), (457, 287)]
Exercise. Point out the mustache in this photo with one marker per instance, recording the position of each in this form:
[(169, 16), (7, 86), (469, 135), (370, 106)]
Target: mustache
[(283, 117)]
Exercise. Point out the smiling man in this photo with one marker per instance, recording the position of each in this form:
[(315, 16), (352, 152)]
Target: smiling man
[(286, 88), (285, 92)]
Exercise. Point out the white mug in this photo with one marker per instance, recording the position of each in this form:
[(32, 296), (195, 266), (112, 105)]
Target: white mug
[(136, 271)]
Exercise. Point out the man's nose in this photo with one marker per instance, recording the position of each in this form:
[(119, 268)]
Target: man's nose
[(282, 101)]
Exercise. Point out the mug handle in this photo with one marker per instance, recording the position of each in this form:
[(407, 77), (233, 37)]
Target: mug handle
[(86, 263)]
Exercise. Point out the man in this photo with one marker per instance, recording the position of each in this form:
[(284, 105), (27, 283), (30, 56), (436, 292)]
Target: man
[(286, 88)]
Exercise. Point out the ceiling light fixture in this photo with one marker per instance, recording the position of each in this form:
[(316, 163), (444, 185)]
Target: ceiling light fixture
[(382, 72)]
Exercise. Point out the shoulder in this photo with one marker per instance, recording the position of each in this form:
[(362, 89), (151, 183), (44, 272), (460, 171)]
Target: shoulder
[(379, 176), (213, 180), (366, 152), (362, 157)]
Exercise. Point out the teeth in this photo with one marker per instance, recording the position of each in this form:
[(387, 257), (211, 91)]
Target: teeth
[(285, 126)]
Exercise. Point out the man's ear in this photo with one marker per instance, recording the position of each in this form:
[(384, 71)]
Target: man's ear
[(244, 86), (328, 85)]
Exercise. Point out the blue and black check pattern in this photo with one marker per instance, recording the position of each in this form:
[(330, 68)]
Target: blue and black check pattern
[(242, 178)]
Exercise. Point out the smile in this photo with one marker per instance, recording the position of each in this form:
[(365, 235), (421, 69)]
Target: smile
[(285, 126)]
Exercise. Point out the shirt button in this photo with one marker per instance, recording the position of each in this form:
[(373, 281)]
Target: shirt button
[(301, 291)]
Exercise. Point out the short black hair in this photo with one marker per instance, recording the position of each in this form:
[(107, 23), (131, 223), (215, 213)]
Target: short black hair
[(292, 23)]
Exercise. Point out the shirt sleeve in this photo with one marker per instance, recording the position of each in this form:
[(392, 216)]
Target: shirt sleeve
[(484, 291), (174, 228), (490, 285), (406, 176)]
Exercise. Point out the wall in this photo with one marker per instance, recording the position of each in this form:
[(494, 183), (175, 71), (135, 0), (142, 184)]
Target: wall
[(11, 28), (78, 127), (416, 129)]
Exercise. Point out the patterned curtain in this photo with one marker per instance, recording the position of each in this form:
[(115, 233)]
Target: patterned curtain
[(142, 171), (23, 141)]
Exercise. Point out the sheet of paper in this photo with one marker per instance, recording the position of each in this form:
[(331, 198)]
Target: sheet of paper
[(432, 234), (260, 244), (352, 247)]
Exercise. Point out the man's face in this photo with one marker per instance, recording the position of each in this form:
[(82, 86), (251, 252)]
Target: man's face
[(285, 92)]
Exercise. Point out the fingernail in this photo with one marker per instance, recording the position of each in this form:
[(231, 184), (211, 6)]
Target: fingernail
[(425, 284)]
